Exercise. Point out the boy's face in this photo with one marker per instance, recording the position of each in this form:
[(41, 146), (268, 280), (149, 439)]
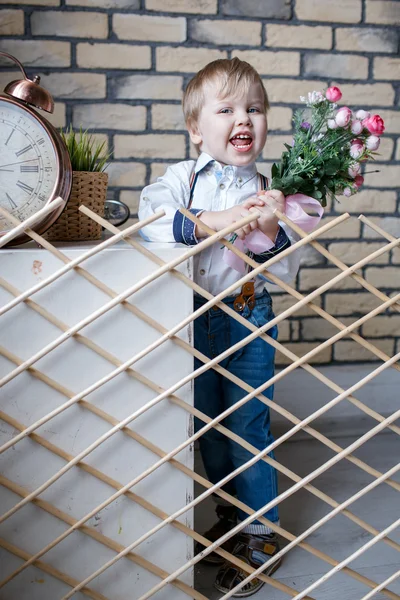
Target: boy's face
[(233, 129)]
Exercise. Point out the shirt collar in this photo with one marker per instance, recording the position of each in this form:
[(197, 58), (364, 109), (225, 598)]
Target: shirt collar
[(241, 174), (203, 160)]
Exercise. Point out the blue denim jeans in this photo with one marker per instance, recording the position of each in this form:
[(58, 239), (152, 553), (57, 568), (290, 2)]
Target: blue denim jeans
[(214, 332)]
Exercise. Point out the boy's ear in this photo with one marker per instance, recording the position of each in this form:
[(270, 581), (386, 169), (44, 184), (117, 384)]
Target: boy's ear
[(194, 133)]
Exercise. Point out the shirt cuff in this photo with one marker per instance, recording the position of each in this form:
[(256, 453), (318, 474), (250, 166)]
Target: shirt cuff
[(183, 229), (281, 243)]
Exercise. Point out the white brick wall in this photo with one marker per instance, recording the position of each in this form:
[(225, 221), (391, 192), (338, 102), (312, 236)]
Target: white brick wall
[(119, 67)]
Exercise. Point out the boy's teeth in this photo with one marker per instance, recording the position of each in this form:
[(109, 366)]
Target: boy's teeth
[(242, 137)]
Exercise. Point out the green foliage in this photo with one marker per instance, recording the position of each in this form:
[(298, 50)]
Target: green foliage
[(84, 152), (317, 164)]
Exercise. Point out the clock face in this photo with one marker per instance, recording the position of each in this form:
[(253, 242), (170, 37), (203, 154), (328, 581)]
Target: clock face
[(28, 163)]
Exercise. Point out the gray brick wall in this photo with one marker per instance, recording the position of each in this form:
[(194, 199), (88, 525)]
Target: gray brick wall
[(119, 67)]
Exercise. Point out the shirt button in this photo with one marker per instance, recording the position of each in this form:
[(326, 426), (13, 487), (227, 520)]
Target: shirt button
[(240, 179), (202, 272), (221, 185), (145, 199)]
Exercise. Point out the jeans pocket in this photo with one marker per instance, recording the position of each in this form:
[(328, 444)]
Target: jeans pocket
[(261, 315)]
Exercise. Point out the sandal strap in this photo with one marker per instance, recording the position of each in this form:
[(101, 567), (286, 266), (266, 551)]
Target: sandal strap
[(253, 543), (230, 575)]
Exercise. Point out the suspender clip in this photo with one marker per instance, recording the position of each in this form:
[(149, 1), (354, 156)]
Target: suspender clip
[(246, 297)]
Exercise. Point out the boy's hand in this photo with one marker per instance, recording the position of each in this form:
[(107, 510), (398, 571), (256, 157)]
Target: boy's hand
[(220, 219), (268, 222), (265, 203)]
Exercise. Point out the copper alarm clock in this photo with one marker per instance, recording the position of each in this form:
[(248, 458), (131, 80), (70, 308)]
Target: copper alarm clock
[(34, 163)]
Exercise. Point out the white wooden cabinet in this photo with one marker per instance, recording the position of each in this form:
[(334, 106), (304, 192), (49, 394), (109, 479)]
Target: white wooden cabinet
[(26, 398)]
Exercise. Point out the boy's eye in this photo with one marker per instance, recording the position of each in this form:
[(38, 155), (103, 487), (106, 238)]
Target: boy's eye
[(225, 110), (253, 109)]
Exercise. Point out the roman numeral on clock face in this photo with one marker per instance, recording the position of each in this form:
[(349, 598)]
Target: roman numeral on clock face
[(9, 137), (26, 188), (23, 150), (29, 169), (11, 201)]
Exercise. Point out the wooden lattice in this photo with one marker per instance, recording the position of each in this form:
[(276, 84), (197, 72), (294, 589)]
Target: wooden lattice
[(126, 301)]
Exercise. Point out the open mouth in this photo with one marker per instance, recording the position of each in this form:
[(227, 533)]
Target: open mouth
[(242, 142)]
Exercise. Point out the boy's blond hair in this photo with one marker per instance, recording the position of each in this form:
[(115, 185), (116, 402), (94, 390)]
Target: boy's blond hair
[(234, 75)]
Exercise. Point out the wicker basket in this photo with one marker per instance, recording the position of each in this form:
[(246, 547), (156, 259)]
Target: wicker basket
[(88, 188)]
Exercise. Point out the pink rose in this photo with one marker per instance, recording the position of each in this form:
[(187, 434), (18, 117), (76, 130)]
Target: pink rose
[(362, 114), (354, 169), (332, 124), (356, 127), (347, 191), (333, 94), (358, 180), (356, 149), (374, 124), (372, 142), (343, 116)]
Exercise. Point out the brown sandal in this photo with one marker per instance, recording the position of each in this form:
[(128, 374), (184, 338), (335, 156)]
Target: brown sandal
[(254, 550), (227, 520)]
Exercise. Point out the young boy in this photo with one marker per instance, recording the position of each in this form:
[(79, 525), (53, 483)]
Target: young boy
[(225, 107)]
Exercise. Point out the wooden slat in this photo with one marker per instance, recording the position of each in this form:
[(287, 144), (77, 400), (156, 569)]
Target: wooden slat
[(46, 568), (388, 362)]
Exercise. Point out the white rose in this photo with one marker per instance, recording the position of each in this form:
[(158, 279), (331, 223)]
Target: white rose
[(356, 127), (362, 114), (372, 142)]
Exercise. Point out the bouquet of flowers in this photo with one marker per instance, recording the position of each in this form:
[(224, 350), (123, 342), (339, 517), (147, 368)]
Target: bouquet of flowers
[(328, 148), (324, 159)]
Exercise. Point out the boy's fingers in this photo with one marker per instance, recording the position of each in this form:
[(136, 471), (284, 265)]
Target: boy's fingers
[(271, 203), (273, 195), (247, 229), (252, 202)]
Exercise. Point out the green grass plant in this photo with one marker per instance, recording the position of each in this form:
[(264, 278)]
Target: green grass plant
[(85, 153)]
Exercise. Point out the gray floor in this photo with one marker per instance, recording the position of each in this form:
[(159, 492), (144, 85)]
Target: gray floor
[(340, 537)]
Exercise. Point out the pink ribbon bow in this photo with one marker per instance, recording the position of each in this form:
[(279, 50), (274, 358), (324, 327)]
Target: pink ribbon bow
[(258, 242)]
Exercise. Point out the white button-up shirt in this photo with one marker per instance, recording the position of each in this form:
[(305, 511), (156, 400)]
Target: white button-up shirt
[(217, 188)]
